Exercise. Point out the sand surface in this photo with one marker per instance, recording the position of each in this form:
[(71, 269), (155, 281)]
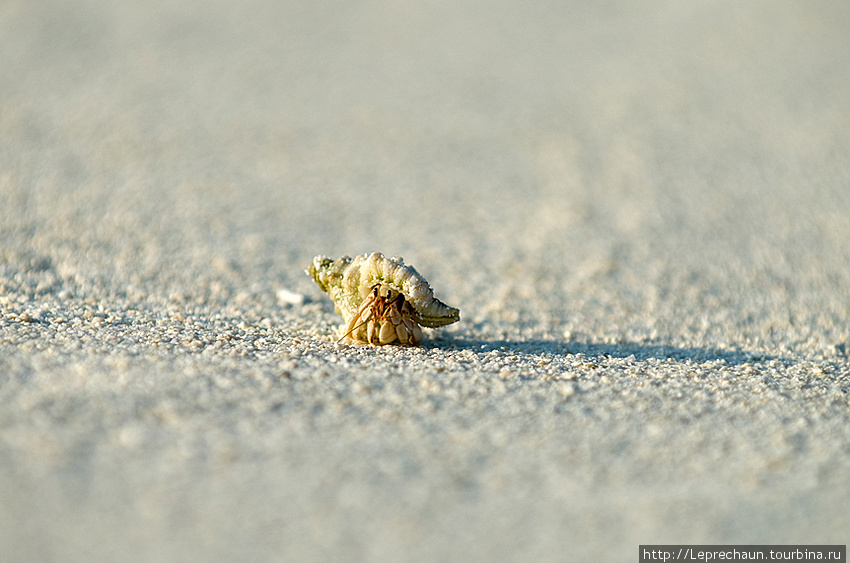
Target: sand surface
[(642, 210)]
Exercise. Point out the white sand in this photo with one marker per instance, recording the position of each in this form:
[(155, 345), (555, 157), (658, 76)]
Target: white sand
[(642, 211)]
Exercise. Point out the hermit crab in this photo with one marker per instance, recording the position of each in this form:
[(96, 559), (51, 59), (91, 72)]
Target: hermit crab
[(382, 300)]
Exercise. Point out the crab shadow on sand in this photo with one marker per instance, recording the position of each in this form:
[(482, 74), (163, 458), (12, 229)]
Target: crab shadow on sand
[(640, 350)]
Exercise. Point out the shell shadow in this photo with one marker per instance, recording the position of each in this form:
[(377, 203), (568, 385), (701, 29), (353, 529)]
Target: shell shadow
[(640, 350)]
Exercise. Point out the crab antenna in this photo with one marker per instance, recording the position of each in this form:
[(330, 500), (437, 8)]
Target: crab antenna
[(352, 330)]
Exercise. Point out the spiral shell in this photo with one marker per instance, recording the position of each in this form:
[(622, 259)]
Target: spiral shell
[(382, 300)]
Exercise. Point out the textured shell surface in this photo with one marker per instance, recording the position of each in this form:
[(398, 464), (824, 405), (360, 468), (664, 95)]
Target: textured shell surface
[(365, 286)]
